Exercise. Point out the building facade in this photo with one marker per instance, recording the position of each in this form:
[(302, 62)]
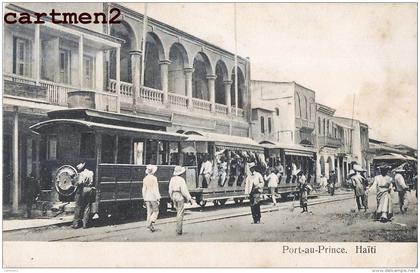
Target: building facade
[(188, 83)]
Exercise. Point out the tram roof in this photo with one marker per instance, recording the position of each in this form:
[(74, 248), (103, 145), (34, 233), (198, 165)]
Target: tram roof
[(225, 140), (394, 156), (291, 149), (108, 128)]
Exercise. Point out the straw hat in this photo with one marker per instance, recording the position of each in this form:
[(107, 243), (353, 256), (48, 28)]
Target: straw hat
[(251, 165), (299, 172), (358, 168), (179, 170), (399, 170), (351, 173), (151, 169), (80, 166)]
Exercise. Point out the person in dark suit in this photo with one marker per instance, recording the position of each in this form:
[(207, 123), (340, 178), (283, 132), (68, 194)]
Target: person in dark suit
[(32, 191)]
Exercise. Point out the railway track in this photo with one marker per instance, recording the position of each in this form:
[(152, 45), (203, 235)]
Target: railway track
[(200, 218)]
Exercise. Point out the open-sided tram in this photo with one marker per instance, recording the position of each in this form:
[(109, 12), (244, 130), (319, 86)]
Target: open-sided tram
[(117, 151)]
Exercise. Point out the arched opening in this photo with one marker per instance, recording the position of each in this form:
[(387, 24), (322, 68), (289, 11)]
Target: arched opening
[(241, 88), (221, 76), (330, 165), (176, 76), (201, 67), (125, 32), (154, 53), (304, 107)]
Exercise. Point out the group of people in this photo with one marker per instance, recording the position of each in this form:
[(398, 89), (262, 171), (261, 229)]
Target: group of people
[(328, 184), (384, 185)]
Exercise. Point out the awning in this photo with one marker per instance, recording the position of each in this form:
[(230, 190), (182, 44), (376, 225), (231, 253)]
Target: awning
[(226, 141), (110, 129), (393, 156), (291, 149)]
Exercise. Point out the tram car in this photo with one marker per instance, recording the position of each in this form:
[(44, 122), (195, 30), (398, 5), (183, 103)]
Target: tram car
[(117, 149)]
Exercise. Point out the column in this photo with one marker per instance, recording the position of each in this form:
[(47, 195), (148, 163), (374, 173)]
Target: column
[(37, 54), (81, 62), (117, 77), (228, 99), (164, 78), (188, 85), (15, 186), (211, 86), (135, 56)]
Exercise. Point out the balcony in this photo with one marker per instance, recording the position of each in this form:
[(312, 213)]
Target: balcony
[(304, 124), (55, 93), (327, 141), (155, 97)]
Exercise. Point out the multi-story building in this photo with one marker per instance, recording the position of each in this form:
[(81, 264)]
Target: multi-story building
[(178, 83), (333, 144), (283, 116)]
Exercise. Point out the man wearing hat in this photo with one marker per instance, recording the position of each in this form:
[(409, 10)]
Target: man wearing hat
[(332, 182), (84, 197), (151, 196), (179, 194), (402, 189), (359, 185), (253, 187)]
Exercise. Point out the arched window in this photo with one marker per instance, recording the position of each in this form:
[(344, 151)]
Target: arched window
[(176, 75), (201, 70), (153, 54), (297, 106), (277, 111), (319, 125), (262, 124), (305, 108), (221, 77)]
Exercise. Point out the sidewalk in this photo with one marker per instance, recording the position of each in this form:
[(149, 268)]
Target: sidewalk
[(16, 221)]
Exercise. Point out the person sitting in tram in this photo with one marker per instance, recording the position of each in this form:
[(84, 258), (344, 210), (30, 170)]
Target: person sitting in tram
[(222, 171), (206, 171)]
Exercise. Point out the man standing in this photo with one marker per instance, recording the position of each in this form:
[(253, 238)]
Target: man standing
[(359, 185), (32, 191), (253, 187), (402, 189), (333, 180), (206, 171), (179, 193), (151, 196), (84, 196), (273, 182)]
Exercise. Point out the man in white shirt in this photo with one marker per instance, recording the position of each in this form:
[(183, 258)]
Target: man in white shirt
[(151, 196), (179, 193), (402, 189), (206, 171), (253, 187), (273, 182), (85, 193)]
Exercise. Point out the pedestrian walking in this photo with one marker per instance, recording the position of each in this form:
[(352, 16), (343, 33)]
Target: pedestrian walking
[(332, 182), (402, 189), (273, 182), (359, 185), (323, 183), (179, 194), (85, 195), (32, 191), (151, 196), (303, 189), (383, 185), (253, 188)]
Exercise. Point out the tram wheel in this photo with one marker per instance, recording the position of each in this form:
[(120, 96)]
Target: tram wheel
[(222, 202), (238, 200), (202, 203), (216, 203)]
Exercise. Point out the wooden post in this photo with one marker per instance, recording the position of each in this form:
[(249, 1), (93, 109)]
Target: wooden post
[(37, 54), (81, 62), (117, 78), (15, 186)]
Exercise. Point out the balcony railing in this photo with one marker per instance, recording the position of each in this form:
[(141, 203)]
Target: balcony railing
[(126, 90), (327, 141), (179, 100), (221, 108), (201, 104), (57, 92), (151, 95)]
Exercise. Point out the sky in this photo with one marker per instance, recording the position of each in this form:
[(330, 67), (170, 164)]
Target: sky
[(340, 50)]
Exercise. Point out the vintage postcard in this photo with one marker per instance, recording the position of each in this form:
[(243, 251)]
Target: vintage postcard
[(209, 135)]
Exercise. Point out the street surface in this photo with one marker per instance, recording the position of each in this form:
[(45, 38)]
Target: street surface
[(333, 219)]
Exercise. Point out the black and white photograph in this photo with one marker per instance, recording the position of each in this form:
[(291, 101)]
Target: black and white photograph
[(142, 124)]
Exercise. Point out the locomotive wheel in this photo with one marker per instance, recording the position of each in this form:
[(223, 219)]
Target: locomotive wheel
[(202, 203)]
